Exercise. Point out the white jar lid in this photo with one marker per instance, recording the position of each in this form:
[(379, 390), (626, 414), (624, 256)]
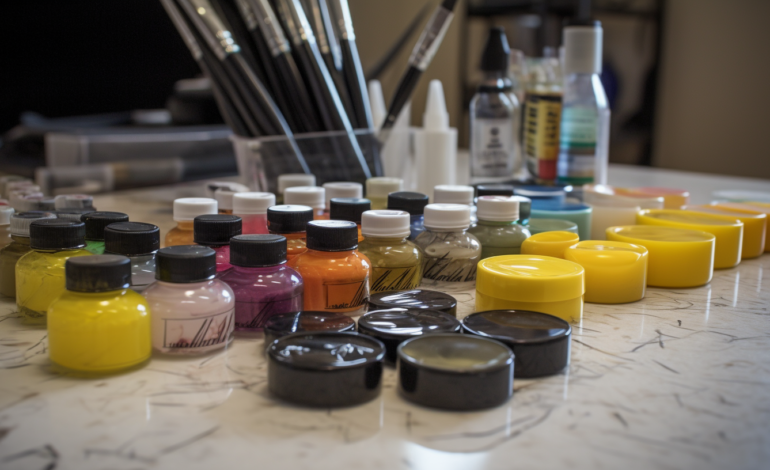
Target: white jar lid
[(5, 214), (21, 221), (497, 208), (447, 216), (290, 180), (343, 189), (73, 201), (385, 224), (381, 186), (188, 208), (224, 198), (453, 194), (252, 203), (313, 196)]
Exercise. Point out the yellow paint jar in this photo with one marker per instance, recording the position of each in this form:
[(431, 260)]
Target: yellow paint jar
[(99, 326), (727, 230), (754, 227), (615, 272), (750, 207), (549, 243), (529, 282), (672, 198), (676, 257)]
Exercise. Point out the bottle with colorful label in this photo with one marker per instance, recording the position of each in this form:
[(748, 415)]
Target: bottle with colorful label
[(396, 262)]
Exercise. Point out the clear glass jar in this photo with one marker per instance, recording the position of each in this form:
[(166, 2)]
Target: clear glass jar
[(450, 258)]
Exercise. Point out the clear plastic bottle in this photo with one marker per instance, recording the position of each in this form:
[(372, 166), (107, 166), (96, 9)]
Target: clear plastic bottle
[(252, 209), (396, 262), (139, 242), (497, 228)]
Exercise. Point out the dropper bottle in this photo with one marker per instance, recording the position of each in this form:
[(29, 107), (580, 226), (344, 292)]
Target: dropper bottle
[(435, 145)]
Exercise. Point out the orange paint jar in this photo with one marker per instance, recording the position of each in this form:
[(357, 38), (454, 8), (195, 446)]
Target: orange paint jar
[(290, 221)]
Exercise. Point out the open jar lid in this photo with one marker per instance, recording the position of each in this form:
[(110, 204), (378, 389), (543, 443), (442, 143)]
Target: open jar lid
[(416, 298)]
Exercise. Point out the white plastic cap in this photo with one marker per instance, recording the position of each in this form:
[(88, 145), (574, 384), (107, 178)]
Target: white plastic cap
[(313, 196), (497, 208), (381, 186), (447, 216), (224, 198), (188, 208), (453, 194), (436, 117), (385, 224), (583, 48), (5, 214), (12, 186), (343, 189), (377, 102), (252, 203), (73, 201), (290, 180), (20, 225), (213, 186)]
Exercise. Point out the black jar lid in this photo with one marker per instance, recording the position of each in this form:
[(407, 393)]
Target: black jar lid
[(348, 208), (255, 251), (332, 235), (56, 234), (408, 201), (216, 229), (97, 221), (455, 372), (541, 342), (494, 190), (325, 369), (131, 238), (185, 263), (417, 298), (284, 324), (98, 273), (73, 213), (393, 326), (288, 218)]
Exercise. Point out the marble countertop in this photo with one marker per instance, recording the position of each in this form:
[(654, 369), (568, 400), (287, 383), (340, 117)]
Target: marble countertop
[(678, 380)]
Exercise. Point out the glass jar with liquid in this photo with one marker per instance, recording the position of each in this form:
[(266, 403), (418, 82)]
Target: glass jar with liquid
[(497, 228), (396, 262)]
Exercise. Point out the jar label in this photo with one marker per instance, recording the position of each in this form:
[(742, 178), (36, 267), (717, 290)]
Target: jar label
[(347, 295), (542, 118), (448, 269), (394, 278), (200, 332), (250, 315), (492, 147)]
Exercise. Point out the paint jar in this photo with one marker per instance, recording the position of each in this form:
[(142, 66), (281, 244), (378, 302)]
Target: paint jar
[(95, 225), (529, 282), (414, 299), (496, 229), (224, 198), (75, 215), (286, 324), (349, 209), (580, 214), (549, 244), (40, 273), (311, 196), (676, 257), (74, 201), (139, 242), (192, 312), (5, 225), (754, 227), (252, 209), (604, 217), (451, 253), (728, 230), (186, 210), (99, 326), (291, 222), (378, 189), (414, 204), (749, 208), (342, 189), (215, 232), (335, 274), (264, 286), (34, 202), (455, 194), (455, 372), (536, 226), (19, 246), (672, 198), (6, 181), (615, 272), (290, 180), (396, 262)]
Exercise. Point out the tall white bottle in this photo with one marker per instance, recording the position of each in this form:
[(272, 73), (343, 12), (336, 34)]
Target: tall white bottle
[(435, 144), (396, 155)]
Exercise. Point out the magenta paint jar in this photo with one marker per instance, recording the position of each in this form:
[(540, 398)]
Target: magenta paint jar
[(215, 232), (252, 209)]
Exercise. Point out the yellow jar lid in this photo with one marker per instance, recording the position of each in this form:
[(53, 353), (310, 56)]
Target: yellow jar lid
[(687, 217), (656, 233), (605, 253), (754, 226), (549, 243), (530, 278)]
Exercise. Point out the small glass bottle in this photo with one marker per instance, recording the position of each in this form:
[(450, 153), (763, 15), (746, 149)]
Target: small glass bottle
[(497, 230), (311, 196), (451, 253), (215, 232), (350, 209), (345, 189), (18, 247), (414, 204), (455, 194), (264, 286), (186, 210), (378, 188), (396, 262), (192, 312), (291, 222), (139, 242), (98, 326), (335, 274), (225, 201), (5, 225), (96, 222), (40, 273), (252, 209)]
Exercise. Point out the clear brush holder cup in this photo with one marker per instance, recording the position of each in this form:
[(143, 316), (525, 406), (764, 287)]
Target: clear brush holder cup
[(330, 156)]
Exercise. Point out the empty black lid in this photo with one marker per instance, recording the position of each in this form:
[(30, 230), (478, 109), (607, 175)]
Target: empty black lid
[(416, 298), (185, 263), (97, 221), (98, 273), (131, 238), (56, 234), (284, 324), (253, 251), (288, 218), (332, 235), (216, 229), (494, 190), (496, 55), (348, 208), (408, 201)]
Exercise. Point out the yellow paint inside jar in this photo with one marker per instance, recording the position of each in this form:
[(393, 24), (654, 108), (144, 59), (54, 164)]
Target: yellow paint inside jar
[(615, 272)]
